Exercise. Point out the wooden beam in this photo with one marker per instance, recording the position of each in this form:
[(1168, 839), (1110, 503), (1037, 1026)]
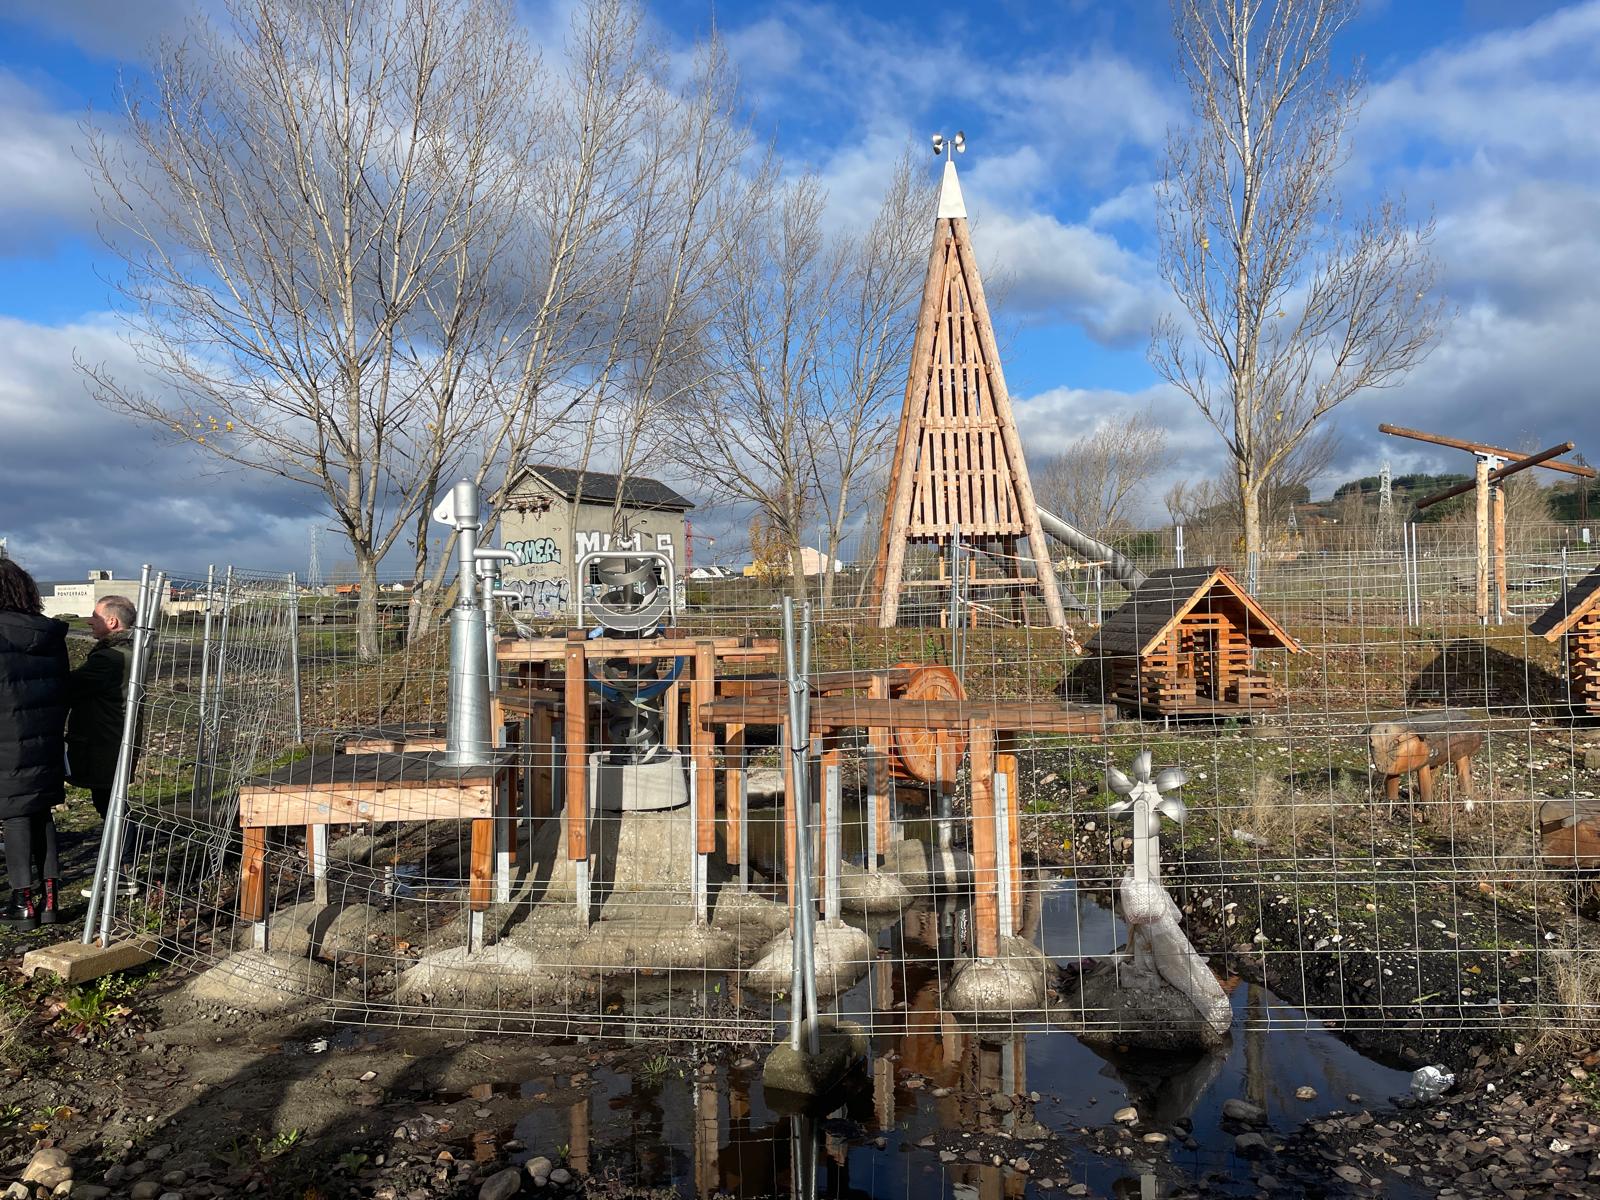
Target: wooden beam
[(1496, 475), (703, 689), (1439, 439)]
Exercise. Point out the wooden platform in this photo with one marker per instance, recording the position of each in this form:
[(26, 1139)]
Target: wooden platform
[(850, 712), (554, 649), (393, 739), (348, 789), (1202, 707)]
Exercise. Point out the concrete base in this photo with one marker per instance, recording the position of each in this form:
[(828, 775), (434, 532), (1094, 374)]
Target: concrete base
[(499, 976), (318, 931), (636, 933), (840, 1046), (871, 893), (639, 787), (843, 955), (1015, 981), (922, 869), (1129, 1006), (73, 962), (631, 852), (752, 920), (265, 982)]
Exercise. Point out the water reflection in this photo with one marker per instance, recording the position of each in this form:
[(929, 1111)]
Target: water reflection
[(713, 1131)]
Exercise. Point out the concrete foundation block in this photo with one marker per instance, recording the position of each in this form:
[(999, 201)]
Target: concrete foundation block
[(843, 955), (324, 931), (498, 976), (1016, 980), (1128, 1006), (840, 1046), (639, 787), (871, 893), (630, 852), (265, 982), (923, 869), (74, 962)]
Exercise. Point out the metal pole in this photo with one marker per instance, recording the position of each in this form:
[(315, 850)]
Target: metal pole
[(205, 683), (808, 856), (1179, 529), (294, 655), (797, 776), (217, 685), (119, 780)]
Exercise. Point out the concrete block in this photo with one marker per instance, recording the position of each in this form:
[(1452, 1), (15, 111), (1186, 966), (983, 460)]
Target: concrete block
[(76, 963), (1014, 981), (639, 787), (840, 1046)]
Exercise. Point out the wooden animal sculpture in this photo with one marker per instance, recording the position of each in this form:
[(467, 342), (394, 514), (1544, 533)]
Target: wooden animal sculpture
[(1398, 748), (1569, 833)]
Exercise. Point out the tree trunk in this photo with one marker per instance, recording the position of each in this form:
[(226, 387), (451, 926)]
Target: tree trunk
[(830, 556), (797, 568), (367, 648), (1250, 504)]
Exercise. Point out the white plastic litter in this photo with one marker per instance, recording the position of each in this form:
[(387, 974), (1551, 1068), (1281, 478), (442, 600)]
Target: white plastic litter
[(1429, 1083)]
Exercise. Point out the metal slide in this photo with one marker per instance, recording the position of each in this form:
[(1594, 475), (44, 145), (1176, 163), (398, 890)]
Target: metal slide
[(1080, 543)]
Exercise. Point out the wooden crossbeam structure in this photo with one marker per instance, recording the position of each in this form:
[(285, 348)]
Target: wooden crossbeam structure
[(958, 473), (1494, 463)]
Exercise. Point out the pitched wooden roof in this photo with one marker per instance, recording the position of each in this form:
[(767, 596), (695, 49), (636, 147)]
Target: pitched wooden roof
[(1171, 594), (1583, 597)]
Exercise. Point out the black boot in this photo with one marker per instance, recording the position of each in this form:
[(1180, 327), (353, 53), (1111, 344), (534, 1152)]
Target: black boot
[(48, 914), (22, 914)]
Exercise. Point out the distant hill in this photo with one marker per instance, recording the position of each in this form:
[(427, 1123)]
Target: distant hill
[(1413, 486)]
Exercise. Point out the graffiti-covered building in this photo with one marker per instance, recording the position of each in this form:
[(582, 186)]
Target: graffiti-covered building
[(555, 514)]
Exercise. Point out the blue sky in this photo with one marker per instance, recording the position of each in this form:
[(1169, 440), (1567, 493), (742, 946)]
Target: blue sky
[(1481, 112)]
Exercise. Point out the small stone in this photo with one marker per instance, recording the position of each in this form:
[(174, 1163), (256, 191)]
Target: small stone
[(560, 1176), (1243, 1111), (1250, 1145), (947, 1156), (1126, 1116), (1305, 1093), (502, 1185), (170, 1196), (90, 1191), (1353, 1098), (1155, 1138), (18, 1191), (1348, 1173), (1000, 1103), (145, 1189), (1078, 1189), (539, 1169), (53, 1177), (1022, 1165), (941, 1092), (51, 1158), (175, 1179), (368, 1076)]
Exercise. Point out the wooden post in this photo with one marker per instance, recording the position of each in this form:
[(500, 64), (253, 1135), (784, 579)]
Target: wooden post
[(1482, 497), (480, 890), (703, 690), (577, 724), (986, 879), (253, 876), (1500, 553), (733, 777)]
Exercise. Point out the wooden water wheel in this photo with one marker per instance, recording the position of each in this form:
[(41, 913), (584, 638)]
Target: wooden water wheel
[(928, 755)]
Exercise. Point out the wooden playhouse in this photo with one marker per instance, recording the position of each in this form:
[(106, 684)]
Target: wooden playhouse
[(1182, 644), (1575, 617)]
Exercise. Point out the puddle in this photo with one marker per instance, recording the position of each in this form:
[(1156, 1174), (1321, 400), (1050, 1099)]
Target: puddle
[(712, 1132)]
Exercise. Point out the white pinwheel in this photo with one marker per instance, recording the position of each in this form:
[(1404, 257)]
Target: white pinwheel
[(1144, 900)]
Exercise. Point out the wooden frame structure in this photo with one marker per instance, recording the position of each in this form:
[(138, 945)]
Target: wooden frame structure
[(1575, 619), (1494, 463), (958, 473), (1182, 644)]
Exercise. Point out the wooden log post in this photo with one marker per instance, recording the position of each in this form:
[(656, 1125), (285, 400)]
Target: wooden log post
[(734, 800), (986, 876)]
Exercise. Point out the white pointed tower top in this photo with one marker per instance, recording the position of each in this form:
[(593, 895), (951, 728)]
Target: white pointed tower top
[(950, 202)]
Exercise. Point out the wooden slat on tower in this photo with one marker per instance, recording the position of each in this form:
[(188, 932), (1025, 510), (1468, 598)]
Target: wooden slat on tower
[(958, 469)]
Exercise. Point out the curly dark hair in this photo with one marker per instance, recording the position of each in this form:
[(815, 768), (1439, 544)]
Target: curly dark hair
[(18, 591)]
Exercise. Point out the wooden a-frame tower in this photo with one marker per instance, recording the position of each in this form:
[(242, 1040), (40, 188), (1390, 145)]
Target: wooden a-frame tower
[(958, 471)]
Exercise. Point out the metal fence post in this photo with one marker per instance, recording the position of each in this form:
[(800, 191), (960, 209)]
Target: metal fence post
[(294, 655)]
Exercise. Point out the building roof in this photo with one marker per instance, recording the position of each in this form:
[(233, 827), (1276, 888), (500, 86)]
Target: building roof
[(1171, 594), (599, 488), (1560, 617)]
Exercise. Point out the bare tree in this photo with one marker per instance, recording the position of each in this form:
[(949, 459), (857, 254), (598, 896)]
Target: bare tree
[(310, 205), (808, 340), (1097, 480), (1290, 311)]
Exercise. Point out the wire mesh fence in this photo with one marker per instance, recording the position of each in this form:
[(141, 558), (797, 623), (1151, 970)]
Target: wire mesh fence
[(294, 832)]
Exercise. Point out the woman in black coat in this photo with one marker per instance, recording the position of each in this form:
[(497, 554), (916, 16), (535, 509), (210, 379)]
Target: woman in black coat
[(33, 718)]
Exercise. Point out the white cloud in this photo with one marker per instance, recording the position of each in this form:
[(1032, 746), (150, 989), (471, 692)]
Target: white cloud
[(46, 192)]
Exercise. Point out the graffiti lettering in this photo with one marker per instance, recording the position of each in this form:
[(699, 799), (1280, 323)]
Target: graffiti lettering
[(540, 597), (594, 542), (535, 552)]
